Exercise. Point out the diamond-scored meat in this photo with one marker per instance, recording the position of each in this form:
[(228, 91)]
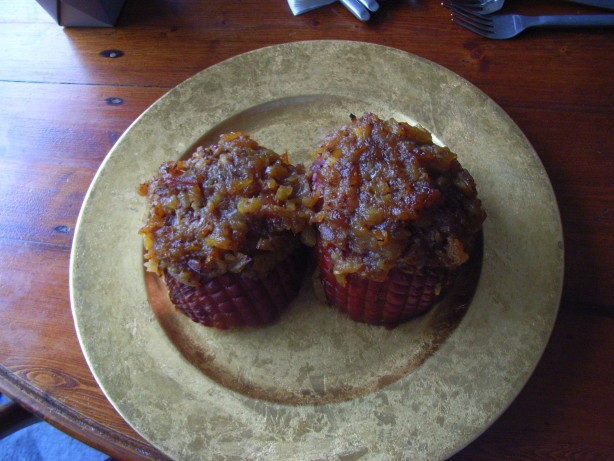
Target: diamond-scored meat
[(218, 224), (400, 297), (234, 300), (397, 216)]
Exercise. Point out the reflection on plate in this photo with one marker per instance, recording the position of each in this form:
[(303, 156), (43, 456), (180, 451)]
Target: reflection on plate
[(316, 385)]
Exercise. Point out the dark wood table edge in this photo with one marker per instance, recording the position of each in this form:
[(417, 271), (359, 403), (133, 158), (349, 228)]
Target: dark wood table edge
[(77, 426)]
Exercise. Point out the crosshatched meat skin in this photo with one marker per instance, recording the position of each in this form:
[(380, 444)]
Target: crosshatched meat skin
[(234, 300), (396, 216), (223, 228), (403, 295)]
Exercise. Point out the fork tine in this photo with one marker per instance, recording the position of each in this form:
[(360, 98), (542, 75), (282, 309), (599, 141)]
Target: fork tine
[(471, 5), (469, 21), (481, 6), (451, 4), (447, 4), (477, 19), (470, 27)]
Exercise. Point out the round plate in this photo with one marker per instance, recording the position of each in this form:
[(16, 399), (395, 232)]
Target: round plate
[(316, 385)]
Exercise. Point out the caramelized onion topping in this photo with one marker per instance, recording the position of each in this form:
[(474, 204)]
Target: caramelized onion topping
[(232, 207), (389, 197)]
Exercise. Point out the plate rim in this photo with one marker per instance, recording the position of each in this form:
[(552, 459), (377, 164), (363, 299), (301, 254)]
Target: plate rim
[(78, 235)]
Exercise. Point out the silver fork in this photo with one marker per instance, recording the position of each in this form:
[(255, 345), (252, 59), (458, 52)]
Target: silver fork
[(500, 26), (477, 6), (492, 6)]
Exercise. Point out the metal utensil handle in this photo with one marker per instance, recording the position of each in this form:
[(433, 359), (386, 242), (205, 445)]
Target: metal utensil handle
[(357, 9), (371, 5), (607, 4), (574, 20)]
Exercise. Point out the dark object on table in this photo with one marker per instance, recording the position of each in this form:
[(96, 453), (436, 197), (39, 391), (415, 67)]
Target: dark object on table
[(83, 13)]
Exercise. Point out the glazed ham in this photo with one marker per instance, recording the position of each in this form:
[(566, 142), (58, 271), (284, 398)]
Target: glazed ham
[(224, 228), (396, 217)]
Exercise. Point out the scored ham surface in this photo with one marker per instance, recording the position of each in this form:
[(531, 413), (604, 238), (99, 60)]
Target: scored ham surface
[(235, 300), (403, 295)]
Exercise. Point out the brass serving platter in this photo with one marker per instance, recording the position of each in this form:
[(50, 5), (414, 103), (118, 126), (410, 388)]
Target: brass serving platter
[(315, 385)]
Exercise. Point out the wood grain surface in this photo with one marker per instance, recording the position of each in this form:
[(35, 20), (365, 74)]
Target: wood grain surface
[(67, 95)]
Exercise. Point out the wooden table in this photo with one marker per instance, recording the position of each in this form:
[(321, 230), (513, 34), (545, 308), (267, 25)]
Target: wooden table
[(65, 99)]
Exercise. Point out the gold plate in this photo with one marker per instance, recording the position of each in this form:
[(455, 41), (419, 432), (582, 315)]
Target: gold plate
[(315, 385)]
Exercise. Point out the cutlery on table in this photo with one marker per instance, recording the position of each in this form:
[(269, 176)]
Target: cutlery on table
[(492, 6), (359, 8), (371, 5), (303, 6), (501, 26)]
